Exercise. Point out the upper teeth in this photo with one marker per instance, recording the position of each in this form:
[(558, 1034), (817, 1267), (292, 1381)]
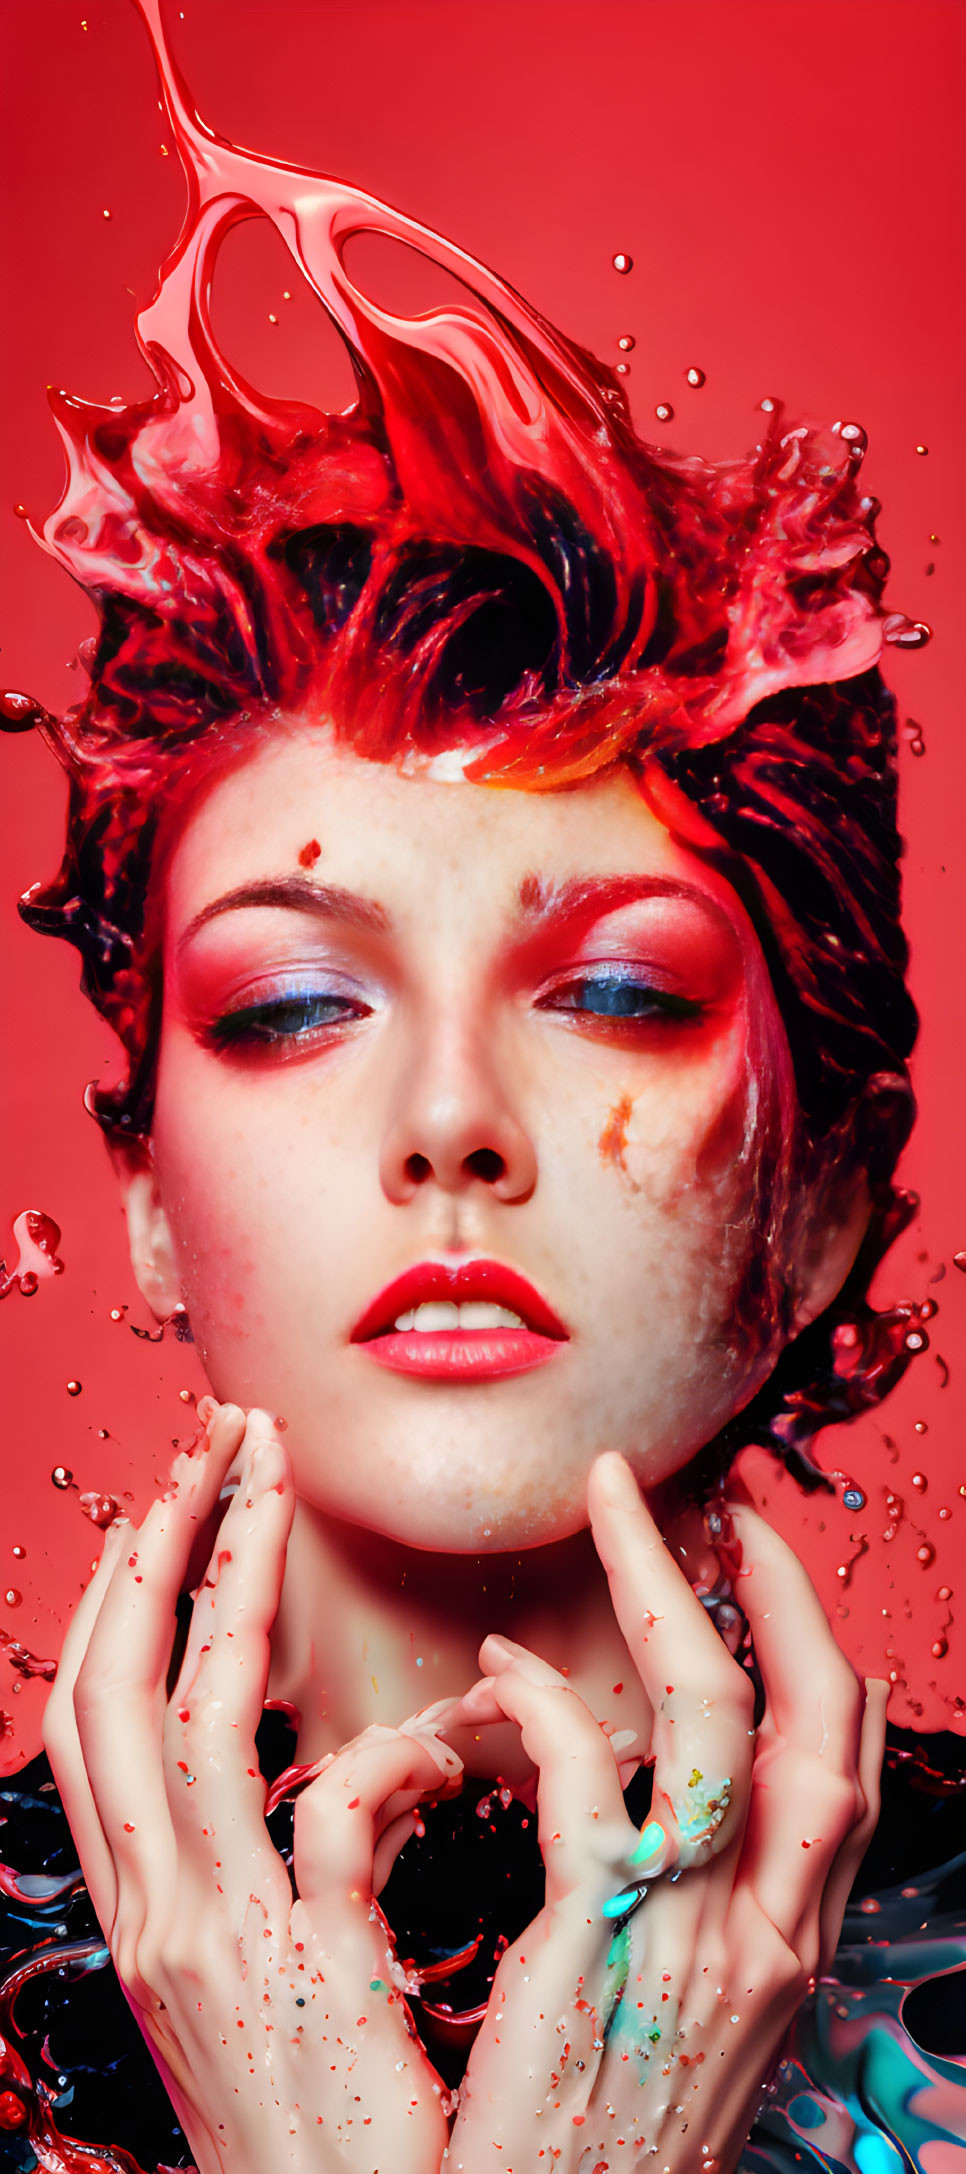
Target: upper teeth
[(441, 1313)]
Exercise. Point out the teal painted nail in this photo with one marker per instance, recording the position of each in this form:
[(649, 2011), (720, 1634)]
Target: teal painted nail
[(629, 1897), (651, 1845)]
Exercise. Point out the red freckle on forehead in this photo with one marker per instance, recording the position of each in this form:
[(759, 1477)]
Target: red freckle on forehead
[(612, 1145), (310, 853)]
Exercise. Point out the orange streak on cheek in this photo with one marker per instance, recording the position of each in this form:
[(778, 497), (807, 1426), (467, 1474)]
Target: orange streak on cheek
[(612, 1145)]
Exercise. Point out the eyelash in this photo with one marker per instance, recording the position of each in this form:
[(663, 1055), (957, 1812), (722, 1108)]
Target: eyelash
[(317, 1013), (624, 989), (251, 1025)]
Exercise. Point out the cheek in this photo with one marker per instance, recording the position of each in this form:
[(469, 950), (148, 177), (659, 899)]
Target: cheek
[(249, 1202), (681, 1138), (677, 1180)]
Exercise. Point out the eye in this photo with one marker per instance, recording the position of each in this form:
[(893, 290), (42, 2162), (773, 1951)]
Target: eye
[(296, 1016), (618, 996)]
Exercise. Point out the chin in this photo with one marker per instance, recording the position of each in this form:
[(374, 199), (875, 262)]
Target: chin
[(463, 1494)]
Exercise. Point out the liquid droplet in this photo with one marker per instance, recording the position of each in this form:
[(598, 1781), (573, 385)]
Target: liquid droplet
[(101, 1509), (74, 1388), (18, 1552), (622, 262), (939, 1648), (769, 405), (959, 1261), (19, 712), (919, 1480), (855, 438), (623, 369), (12, 1598), (626, 342), (926, 1554), (906, 633), (62, 1476), (922, 449), (695, 376), (664, 411), (853, 1498)]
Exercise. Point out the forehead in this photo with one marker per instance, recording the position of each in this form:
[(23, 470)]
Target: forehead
[(398, 836)]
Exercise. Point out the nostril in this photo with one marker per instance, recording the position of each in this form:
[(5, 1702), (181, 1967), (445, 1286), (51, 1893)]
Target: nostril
[(418, 1169), (486, 1163)]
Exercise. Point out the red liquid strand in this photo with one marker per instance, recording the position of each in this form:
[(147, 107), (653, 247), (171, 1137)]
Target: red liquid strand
[(530, 420), (25, 2107)]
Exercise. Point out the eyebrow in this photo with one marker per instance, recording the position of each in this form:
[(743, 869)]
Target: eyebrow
[(588, 899), (299, 894)]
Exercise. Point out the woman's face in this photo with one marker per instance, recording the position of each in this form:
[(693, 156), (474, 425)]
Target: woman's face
[(418, 1024)]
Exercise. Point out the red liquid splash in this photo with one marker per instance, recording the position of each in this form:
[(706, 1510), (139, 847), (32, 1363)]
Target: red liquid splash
[(37, 1237)]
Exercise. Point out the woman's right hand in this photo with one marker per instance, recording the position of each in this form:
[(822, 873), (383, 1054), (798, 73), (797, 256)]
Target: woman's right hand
[(279, 2026)]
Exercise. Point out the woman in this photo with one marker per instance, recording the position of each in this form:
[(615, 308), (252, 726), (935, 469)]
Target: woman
[(520, 1149)]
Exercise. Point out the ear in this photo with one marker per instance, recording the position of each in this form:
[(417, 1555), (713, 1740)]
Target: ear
[(150, 1239), (830, 1242)]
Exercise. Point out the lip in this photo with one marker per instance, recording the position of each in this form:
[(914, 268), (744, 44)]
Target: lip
[(460, 1354)]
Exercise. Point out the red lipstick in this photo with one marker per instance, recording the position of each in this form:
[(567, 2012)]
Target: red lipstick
[(470, 1342)]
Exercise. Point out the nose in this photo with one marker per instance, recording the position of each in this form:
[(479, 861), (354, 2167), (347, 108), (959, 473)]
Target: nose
[(454, 1120)]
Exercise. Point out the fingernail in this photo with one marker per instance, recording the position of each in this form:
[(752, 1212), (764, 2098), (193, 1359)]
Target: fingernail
[(619, 1486), (504, 1651), (432, 1716), (267, 1463), (478, 1700), (650, 1854)]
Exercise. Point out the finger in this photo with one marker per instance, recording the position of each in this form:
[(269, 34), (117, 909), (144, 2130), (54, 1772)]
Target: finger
[(806, 1798), (62, 1743), (584, 1832), (340, 1818), (544, 2030), (847, 1864), (817, 1705), (119, 1691), (702, 1740), (215, 1790)]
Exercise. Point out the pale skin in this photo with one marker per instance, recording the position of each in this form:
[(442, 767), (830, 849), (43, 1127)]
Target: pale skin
[(459, 1100)]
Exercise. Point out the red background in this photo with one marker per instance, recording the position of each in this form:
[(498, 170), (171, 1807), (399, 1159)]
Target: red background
[(788, 176)]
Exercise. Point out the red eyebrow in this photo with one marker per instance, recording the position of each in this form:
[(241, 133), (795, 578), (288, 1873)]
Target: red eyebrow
[(298, 893), (586, 899)]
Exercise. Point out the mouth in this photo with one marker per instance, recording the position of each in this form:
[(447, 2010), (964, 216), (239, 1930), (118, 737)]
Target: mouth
[(461, 1321)]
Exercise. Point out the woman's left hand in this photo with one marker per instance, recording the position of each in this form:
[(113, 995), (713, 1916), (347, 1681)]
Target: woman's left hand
[(603, 2046)]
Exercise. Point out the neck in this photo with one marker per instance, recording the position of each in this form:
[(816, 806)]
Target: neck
[(370, 1630)]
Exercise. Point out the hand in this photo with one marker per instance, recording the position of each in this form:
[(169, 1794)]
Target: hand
[(278, 2026), (603, 2047)]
